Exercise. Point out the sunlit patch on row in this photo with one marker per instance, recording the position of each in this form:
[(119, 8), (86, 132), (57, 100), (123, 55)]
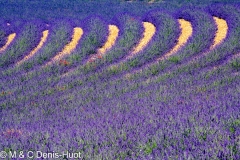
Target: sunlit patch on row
[(9, 40), (186, 32), (113, 34), (221, 33), (43, 40), (149, 31), (77, 34)]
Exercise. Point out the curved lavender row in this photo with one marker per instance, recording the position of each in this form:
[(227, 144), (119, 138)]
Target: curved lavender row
[(10, 39), (49, 92), (95, 33), (59, 35), (76, 36), (133, 83), (216, 75), (35, 50), (130, 31), (227, 48), (58, 31), (82, 41), (25, 40), (180, 116), (164, 39)]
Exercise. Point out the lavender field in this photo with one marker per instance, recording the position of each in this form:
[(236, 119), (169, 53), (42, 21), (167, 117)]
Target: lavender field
[(113, 80)]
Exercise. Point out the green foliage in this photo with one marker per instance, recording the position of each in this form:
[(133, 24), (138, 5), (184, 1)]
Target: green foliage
[(42, 59), (174, 59), (187, 132), (233, 125), (236, 64), (92, 39), (75, 58), (154, 70), (113, 70), (28, 65), (2, 38), (91, 51), (134, 63), (149, 147)]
